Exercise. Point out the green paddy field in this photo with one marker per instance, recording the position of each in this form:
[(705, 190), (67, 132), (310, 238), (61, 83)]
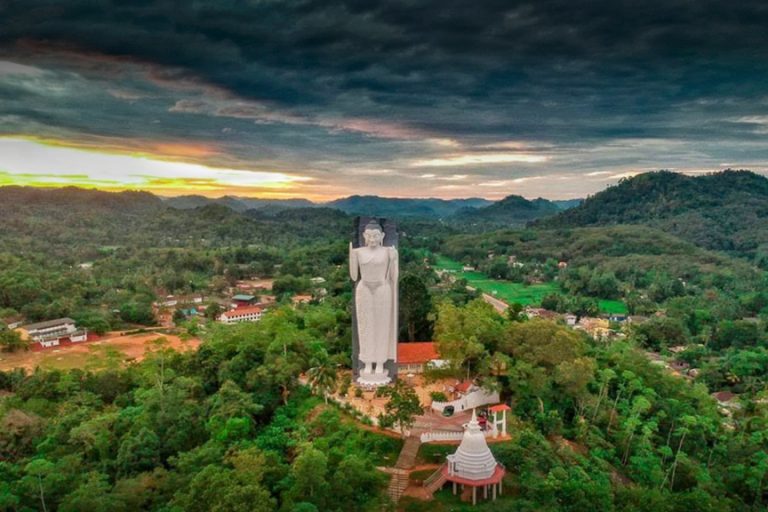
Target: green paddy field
[(511, 292)]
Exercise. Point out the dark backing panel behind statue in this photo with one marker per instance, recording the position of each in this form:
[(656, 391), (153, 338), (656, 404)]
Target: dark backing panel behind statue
[(390, 240)]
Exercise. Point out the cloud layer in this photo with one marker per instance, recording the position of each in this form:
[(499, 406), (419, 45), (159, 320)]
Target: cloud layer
[(446, 98)]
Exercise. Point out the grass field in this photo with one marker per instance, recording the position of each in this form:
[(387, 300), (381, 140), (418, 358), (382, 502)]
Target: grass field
[(511, 292)]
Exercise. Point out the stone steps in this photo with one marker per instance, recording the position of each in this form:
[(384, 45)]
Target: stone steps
[(405, 461), (397, 484)]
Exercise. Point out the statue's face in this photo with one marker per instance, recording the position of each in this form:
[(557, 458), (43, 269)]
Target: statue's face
[(373, 237)]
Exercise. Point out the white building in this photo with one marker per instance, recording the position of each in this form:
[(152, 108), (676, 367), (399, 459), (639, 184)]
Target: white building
[(50, 332), (242, 314)]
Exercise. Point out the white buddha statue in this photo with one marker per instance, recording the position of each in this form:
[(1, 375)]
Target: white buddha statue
[(374, 268)]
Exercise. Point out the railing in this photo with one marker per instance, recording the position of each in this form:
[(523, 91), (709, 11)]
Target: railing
[(434, 477), (441, 435), (448, 435)]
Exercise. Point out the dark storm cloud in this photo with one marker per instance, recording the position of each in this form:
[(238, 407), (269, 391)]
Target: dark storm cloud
[(351, 84)]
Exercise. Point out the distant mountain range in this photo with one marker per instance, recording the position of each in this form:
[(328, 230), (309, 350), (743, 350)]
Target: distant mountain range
[(514, 210), (239, 204), (726, 211)]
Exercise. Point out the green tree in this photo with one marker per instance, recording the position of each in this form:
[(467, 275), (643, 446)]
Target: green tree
[(322, 378), (138, 452), (11, 341), (93, 495), (403, 405), (309, 473), (415, 304), (464, 333)]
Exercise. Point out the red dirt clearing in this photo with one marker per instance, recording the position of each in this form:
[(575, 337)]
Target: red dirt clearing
[(132, 347)]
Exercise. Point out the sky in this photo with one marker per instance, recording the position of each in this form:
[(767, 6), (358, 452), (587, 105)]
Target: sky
[(401, 98)]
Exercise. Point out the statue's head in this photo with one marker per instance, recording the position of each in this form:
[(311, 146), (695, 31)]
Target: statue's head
[(373, 234)]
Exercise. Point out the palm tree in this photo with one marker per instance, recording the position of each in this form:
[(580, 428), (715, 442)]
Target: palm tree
[(322, 379)]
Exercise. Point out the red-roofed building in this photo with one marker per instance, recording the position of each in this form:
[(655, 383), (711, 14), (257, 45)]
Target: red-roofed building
[(412, 356), (242, 314), (463, 387)]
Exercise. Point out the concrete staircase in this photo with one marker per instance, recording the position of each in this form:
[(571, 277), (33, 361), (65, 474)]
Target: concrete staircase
[(405, 461)]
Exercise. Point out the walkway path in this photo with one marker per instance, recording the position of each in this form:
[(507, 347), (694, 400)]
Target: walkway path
[(405, 462), (498, 305)]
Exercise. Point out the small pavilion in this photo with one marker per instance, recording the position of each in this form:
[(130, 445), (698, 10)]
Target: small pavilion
[(473, 464), (499, 419)]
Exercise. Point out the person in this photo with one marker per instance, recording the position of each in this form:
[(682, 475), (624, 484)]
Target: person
[(374, 268)]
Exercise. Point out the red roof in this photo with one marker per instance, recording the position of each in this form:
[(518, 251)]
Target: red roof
[(417, 352), (498, 474), (244, 310), (499, 408), (463, 387), (724, 396)]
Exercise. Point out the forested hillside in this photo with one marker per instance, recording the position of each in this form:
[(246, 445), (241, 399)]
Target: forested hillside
[(510, 211), (725, 211), (427, 208)]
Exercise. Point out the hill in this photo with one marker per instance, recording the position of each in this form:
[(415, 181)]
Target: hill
[(429, 208), (239, 204), (78, 223), (725, 211), (512, 210), (626, 250), (404, 207)]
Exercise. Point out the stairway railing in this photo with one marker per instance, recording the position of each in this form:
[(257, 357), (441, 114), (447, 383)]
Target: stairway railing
[(434, 477)]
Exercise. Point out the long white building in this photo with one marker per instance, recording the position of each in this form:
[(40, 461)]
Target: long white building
[(242, 314)]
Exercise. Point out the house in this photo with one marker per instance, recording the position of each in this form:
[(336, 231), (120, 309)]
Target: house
[(468, 268), (540, 313), (301, 299), (12, 322), (727, 402), (464, 387), (598, 328), (412, 357), (562, 265), (317, 280), (242, 314), (570, 320), (242, 299)]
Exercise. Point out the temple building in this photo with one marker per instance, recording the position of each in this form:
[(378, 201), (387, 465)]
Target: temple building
[(413, 357)]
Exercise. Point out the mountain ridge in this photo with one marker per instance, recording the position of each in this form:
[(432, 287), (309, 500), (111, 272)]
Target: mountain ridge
[(725, 211)]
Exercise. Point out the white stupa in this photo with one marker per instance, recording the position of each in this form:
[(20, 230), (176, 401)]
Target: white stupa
[(473, 459)]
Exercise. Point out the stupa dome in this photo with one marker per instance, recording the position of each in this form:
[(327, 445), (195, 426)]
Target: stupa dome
[(473, 459)]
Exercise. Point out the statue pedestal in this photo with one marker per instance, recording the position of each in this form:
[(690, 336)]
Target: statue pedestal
[(373, 380)]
